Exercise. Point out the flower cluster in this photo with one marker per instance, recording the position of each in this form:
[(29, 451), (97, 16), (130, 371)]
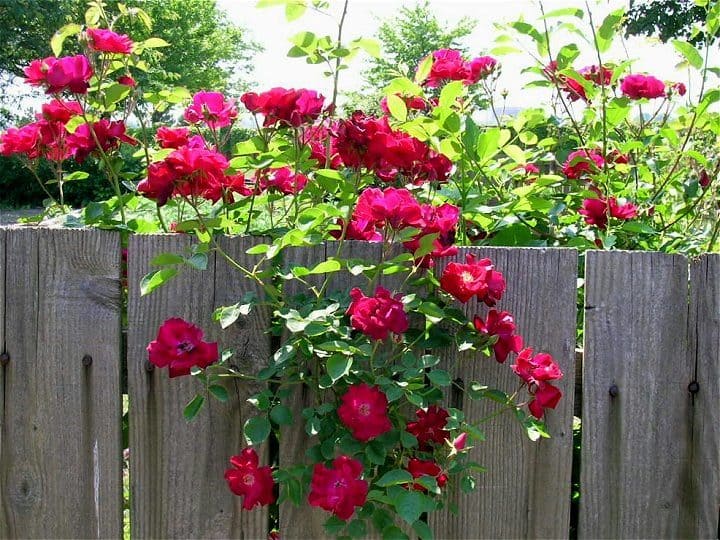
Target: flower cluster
[(449, 65)]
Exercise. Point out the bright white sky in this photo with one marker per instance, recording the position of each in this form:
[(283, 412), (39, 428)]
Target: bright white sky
[(274, 68)]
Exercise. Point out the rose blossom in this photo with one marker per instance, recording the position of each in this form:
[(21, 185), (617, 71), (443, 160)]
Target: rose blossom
[(285, 106), (103, 40), (393, 207), (582, 162), (502, 325), (545, 396), (377, 316), (642, 86), (426, 467), (474, 278), (596, 211), (429, 427), (110, 134), (248, 480), (211, 108), (364, 412), (65, 73), (180, 347), (338, 489)]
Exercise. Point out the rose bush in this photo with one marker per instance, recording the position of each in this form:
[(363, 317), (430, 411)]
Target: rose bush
[(418, 182)]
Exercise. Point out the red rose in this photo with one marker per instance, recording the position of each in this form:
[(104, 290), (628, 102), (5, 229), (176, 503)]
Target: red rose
[(377, 316), (582, 162), (61, 111), (211, 108), (396, 208), (502, 325), (285, 106), (180, 347), (429, 427), (109, 134), (458, 443), (534, 369), (474, 278), (422, 467), (448, 65), (283, 180), (480, 68), (127, 80), (338, 489), (316, 138), (103, 40), (168, 137), (596, 211), (364, 412), (642, 86), (443, 221), (412, 103), (680, 88), (197, 171), (354, 135), (24, 140), (159, 183), (248, 480), (545, 396), (65, 73), (358, 229)]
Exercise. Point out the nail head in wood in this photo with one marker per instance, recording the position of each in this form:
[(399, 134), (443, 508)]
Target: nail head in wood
[(86, 360), (4, 359), (614, 390), (693, 387), (149, 366)]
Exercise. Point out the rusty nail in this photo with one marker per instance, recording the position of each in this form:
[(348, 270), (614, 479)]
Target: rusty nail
[(614, 391), (693, 387), (148, 366), (4, 359), (86, 360)]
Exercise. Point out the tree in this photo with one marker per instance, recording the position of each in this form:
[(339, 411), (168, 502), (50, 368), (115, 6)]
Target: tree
[(208, 50), (406, 39), (665, 19)]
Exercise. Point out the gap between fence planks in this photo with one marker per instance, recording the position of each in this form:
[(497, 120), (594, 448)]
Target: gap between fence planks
[(650, 446), (60, 447)]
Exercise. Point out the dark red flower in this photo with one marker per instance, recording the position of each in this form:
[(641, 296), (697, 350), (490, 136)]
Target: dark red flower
[(211, 108), (474, 278), (364, 412), (24, 140), (180, 347), (248, 480), (502, 325), (168, 137), (104, 40), (429, 427), (60, 111), (582, 162), (354, 135), (197, 171), (338, 489), (127, 80), (283, 180), (642, 86), (285, 106), (704, 179), (529, 169), (440, 220), (680, 88), (480, 68), (316, 137), (377, 316), (596, 211), (423, 467), (358, 229), (412, 103), (159, 183)]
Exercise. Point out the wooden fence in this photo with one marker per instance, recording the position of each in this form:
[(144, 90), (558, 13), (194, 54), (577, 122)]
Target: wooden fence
[(650, 463)]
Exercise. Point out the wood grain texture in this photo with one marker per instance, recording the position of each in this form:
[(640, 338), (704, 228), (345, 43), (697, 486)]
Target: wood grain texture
[(700, 513), (4, 532), (60, 467), (525, 492), (635, 445), (178, 489)]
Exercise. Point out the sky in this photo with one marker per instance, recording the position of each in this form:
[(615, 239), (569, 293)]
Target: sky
[(273, 68)]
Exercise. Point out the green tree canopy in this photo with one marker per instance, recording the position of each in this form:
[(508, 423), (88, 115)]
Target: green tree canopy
[(665, 19), (208, 51), (406, 39)]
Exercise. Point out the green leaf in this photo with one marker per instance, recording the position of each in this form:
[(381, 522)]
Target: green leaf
[(294, 10), (257, 430), (193, 407), (370, 46), (59, 37), (281, 415), (638, 227), (334, 525), (439, 377), (153, 43), (515, 153), (391, 532), (77, 175), (411, 504), (199, 261), (562, 12), (397, 107), (165, 259), (375, 452), (338, 365), (155, 279), (219, 392), (115, 93), (450, 92), (690, 53), (606, 32), (424, 69), (423, 530), (326, 267), (395, 477)]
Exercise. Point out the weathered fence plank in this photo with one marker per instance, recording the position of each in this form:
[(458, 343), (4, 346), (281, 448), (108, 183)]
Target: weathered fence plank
[(60, 461), (525, 492), (636, 439), (701, 495), (178, 489), (4, 532)]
